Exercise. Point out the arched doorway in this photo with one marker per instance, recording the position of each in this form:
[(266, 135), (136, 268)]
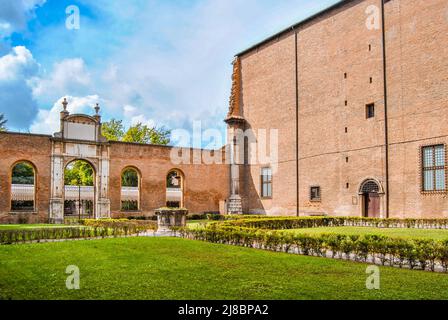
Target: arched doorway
[(130, 190), (371, 192), (79, 190), (175, 189), (23, 190)]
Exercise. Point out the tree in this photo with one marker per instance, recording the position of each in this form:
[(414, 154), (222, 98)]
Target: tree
[(113, 130), (3, 122), (23, 173), (78, 173), (140, 133), (129, 178)]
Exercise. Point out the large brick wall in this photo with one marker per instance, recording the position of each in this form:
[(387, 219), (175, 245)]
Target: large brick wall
[(205, 186), (338, 147)]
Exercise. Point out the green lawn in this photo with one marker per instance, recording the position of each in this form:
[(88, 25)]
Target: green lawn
[(392, 232), (173, 268), (29, 226)]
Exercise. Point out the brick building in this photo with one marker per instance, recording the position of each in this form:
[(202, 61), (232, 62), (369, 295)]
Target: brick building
[(361, 106), (357, 96)]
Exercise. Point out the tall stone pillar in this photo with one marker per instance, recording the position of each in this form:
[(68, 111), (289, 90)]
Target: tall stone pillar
[(57, 187), (235, 124), (103, 201)]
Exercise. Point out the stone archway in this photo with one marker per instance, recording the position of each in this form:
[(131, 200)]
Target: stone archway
[(79, 139), (79, 189)]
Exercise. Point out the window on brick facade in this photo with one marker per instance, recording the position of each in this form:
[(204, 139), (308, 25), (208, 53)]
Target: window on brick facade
[(370, 111), (266, 183), (130, 190), (315, 194), (434, 168), (175, 189), (23, 187)]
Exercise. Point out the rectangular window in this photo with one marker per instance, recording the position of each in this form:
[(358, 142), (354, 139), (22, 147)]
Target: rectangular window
[(433, 164), (370, 110), (266, 183), (315, 194)]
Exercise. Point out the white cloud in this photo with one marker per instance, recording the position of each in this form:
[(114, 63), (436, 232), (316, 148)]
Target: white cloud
[(69, 76), (16, 99), (48, 121), (19, 63), (14, 14), (133, 117)]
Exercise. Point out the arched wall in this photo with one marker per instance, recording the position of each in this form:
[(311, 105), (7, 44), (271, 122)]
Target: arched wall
[(205, 186), (34, 149)]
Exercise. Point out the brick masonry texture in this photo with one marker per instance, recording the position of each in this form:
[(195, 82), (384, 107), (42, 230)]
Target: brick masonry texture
[(204, 185), (335, 43)]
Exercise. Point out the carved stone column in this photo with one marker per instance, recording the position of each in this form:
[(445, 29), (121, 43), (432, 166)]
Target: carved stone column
[(103, 201), (56, 214), (235, 122)]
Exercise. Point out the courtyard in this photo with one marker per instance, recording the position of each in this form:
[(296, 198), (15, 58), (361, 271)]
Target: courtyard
[(179, 269)]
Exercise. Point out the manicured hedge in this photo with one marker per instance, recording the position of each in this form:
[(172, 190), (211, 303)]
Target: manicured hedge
[(125, 224), (28, 235), (413, 253), (273, 223), (90, 229)]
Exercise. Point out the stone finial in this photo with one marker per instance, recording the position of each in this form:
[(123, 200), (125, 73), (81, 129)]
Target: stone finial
[(97, 109), (65, 104)]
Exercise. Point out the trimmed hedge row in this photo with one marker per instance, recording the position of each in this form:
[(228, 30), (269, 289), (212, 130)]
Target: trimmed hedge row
[(273, 223), (90, 229), (42, 234), (125, 224), (414, 253)]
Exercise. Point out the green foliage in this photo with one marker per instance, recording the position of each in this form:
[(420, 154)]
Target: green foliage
[(89, 229), (78, 173), (113, 130), (422, 253), (129, 178), (3, 122), (274, 223), (125, 224), (140, 133), (23, 173)]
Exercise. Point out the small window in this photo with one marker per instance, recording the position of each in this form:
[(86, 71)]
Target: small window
[(370, 111), (345, 75), (434, 168), (315, 194), (371, 80), (266, 183)]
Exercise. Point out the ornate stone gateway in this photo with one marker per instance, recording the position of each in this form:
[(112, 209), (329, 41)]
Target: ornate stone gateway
[(79, 139)]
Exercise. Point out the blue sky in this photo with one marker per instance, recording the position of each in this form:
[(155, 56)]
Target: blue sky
[(153, 61)]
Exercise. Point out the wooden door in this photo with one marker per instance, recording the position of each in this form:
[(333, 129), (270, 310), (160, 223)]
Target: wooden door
[(372, 205)]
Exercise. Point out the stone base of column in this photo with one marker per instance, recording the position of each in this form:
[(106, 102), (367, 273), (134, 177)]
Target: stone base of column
[(103, 209), (235, 205), (56, 214)]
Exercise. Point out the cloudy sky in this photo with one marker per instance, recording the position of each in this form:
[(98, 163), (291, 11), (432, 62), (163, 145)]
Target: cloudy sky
[(163, 62)]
